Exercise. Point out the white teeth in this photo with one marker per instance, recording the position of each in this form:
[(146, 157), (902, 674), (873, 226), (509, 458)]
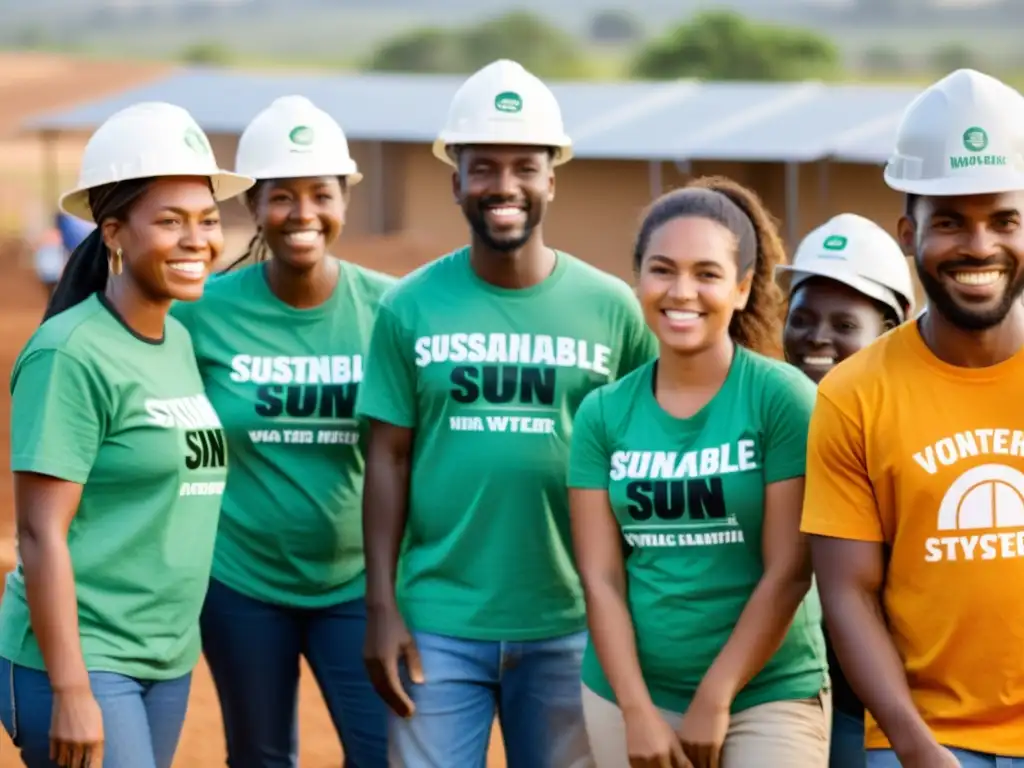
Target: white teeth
[(819, 360), (506, 211), (305, 237), (978, 278), (678, 315), (190, 268)]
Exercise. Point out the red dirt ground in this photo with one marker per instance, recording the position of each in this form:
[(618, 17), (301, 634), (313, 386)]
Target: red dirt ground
[(202, 746)]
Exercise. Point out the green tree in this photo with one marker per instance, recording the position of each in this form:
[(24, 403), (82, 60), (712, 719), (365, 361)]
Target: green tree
[(883, 60), (614, 27), (723, 45), (953, 56), (543, 49), (422, 50), (207, 53)]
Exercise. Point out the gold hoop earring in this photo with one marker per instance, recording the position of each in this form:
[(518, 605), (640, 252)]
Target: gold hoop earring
[(116, 262)]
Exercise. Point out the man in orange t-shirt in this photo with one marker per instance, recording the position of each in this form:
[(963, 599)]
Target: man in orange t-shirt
[(915, 462)]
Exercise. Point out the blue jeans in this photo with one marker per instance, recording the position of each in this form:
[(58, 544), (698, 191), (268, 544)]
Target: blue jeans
[(886, 758), (847, 748), (141, 720), (533, 686), (253, 651)]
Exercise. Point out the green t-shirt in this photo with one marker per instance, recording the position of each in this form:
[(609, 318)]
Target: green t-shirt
[(284, 381), (127, 419), (688, 495), (489, 379)]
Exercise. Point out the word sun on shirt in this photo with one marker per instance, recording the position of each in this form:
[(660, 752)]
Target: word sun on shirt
[(509, 369)]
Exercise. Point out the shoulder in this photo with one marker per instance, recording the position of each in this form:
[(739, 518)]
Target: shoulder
[(422, 283), (617, 400), (587, 279), (776, 377), (866, 374), (368, 283)]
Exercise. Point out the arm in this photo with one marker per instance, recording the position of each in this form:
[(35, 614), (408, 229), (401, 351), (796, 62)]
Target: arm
[(847, 548), (44, 508), (850, 578), (56, 430), (385, 504), (769, 612), (597, 544)]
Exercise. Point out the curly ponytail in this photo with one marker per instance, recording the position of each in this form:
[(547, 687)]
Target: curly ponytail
[(757, 327)]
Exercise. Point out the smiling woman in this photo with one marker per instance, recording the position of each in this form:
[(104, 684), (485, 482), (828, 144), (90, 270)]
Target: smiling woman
[(118, 460), (704, 639)]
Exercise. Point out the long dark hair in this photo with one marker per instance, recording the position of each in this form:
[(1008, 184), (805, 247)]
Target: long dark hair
[(88, 269)]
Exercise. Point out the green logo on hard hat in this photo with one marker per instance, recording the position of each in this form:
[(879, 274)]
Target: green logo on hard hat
[(834, 243), (196, 141), (508, 101), (302, 135), (975, 139)]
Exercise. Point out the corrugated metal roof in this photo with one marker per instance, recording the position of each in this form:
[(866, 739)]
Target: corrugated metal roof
[(681, 120)]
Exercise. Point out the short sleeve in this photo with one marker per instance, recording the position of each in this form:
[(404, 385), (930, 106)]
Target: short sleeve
[(388, 390), (787, 419), (639, 344), (839, 500), (589, 456), (58, 416)]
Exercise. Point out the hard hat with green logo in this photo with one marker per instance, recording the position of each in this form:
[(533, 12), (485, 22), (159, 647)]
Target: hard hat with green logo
[(856, 252), (149, 139), (964, 135), (292, 139), (504, 104)]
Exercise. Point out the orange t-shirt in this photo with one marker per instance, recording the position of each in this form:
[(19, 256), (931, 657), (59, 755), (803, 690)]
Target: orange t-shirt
[(929, 458)]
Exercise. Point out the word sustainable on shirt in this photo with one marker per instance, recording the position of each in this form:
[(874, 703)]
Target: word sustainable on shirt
[(514, 376), (203, 438), (676, 498), (312, 397), (981, 516)]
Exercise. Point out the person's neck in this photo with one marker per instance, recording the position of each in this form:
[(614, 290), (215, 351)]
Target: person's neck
[(973, 349), (523, 268), (686, 383), (303, 289), (143, 315)]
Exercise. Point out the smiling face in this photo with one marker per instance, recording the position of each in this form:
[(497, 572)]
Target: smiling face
[(169, 239), (827, 322), (301, 218), (688, 284), (504, 192), (968, 253)]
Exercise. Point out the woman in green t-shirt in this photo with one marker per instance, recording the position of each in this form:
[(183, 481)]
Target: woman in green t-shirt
[(280, 343), (686, 483), (119, 460), (849, 283)]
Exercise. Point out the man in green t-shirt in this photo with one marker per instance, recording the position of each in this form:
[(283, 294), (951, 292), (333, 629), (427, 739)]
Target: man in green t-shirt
[(477, 364)]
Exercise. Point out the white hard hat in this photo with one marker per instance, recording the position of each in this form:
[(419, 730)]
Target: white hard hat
[(856, 252), (147, 140), (294, 139), (964, 135), (504, 104)]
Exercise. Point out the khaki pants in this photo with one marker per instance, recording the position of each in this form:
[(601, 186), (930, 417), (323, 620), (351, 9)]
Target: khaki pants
[(780, 734)]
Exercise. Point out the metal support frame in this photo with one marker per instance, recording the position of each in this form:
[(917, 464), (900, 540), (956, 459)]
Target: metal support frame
[(792, 204), (378, 212), (655, 179)]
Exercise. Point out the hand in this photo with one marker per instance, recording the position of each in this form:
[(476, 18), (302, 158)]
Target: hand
[(387, 641), (651, 742), (702, 731), (932, 755), (76, 730)]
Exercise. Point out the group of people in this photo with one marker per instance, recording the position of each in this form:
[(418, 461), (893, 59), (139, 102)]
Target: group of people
[(747, 513)]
